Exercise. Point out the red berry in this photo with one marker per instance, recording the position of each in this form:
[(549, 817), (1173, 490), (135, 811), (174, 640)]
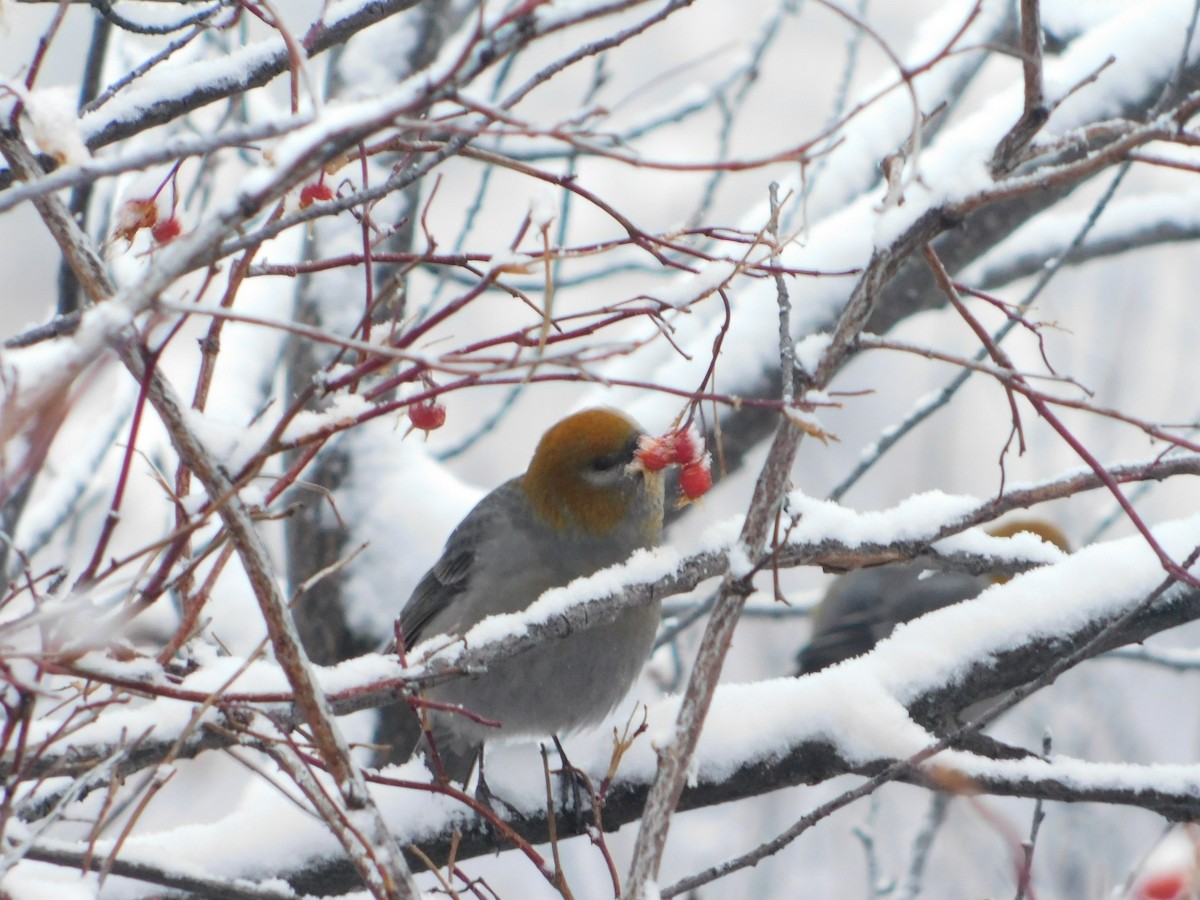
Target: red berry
[(1164, 886), (688, 446), (316, 192), (427, 416), (166, 230), (695, 479), (655, 453)]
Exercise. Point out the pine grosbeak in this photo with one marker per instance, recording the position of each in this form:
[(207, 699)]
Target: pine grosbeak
[(578, 508), (863, 607)]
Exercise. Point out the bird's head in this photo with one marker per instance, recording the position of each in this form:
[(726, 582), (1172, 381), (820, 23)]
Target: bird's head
[(1047, 531), (580, 476)]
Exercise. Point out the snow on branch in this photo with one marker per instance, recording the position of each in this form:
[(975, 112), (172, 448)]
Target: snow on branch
[(824, 535), (274, 262), (785, 732)]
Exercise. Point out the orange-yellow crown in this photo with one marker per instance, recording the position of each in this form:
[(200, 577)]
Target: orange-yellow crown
[(591, 441), (1047, 531)]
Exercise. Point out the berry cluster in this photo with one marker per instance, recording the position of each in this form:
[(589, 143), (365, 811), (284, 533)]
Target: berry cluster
[(684, 448)]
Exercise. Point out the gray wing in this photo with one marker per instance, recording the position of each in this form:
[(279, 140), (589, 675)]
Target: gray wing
[(435, 592), (450, 576)]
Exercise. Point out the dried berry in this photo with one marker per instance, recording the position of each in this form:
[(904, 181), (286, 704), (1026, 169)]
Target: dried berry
[(1164, 886), (427, 416), (317, 192), (166, 231)]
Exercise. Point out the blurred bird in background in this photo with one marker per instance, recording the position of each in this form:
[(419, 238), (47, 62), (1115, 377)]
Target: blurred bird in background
[(863, 607)]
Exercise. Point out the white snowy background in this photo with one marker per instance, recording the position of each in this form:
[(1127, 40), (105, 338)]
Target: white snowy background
[(1124, 327)]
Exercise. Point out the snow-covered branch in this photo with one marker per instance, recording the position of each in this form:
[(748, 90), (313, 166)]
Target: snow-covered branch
[(325, 274), (775, 734)]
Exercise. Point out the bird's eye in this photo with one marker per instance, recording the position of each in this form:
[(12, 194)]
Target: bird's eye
[(606, 463)]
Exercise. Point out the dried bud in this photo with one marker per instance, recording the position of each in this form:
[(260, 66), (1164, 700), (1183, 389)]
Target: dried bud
[(134, 215)]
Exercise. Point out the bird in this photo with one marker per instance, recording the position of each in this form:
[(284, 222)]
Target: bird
[(863, 607), (582, 504)]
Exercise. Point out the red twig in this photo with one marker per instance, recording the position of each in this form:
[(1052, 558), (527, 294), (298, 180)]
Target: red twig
[(1043, 409)]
